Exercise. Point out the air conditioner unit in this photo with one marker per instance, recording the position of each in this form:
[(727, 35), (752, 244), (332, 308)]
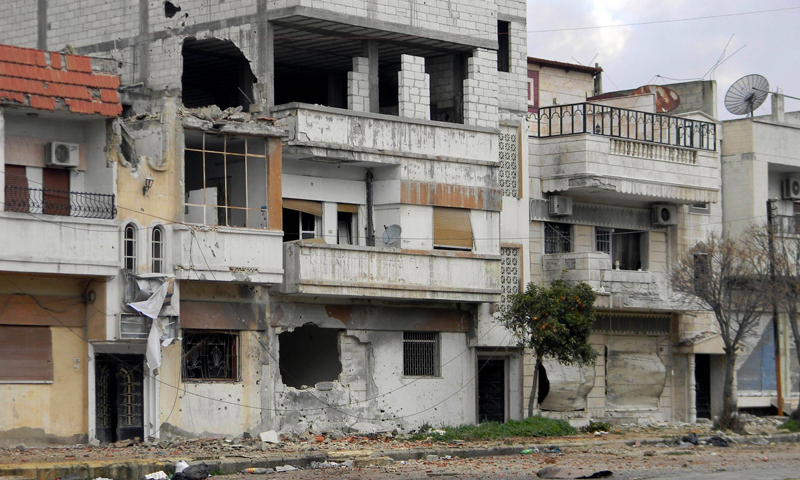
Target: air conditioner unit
[(559, 206), (61, 155), (791, 188), (665, 215)]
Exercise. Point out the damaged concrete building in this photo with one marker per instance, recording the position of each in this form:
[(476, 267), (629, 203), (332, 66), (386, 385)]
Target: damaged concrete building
[(309, 199), (622, 183)]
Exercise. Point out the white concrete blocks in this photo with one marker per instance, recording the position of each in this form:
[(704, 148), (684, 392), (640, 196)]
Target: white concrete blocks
[(358, 85), (414, 88), (481, 89)]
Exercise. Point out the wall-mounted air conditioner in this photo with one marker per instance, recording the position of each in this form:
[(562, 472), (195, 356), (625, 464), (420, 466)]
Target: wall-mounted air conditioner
[(559, 206), (665, 215), (791, 188), (62, 155)]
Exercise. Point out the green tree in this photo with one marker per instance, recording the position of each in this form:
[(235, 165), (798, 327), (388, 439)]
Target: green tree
[(554, 322)]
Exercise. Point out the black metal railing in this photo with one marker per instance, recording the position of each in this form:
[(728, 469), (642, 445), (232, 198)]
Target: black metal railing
[(560, 120), (58, 202)]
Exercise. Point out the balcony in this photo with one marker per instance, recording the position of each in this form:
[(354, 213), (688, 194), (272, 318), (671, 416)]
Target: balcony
[(53, 244), (227, 254), (368, 272), (356, 136), (614, 152), (58, 202), (616, 288)]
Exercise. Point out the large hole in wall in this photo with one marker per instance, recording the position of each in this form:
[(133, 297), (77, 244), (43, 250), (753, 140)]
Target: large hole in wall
[(309, 355), (215, 72), (544, 385)]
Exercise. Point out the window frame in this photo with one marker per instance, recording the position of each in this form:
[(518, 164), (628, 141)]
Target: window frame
[(565, 236), (130, 257), (416, 371), (697, 209), (158, 262), (503, 46), (603, 231), (235, 355)]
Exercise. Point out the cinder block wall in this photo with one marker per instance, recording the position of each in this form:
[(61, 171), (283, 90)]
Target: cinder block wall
[(480, 89), (358, 85), (414, 88)]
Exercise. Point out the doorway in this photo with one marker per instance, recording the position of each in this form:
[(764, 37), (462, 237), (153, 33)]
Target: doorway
[(491, 390), (119, 397), (702, 379)]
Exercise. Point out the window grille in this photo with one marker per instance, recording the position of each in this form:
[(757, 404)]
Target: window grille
[(130, 247), (209, 355), (157, 253), (602, 239), (420, 354), (509, 165), (509, 276), (557, 238)]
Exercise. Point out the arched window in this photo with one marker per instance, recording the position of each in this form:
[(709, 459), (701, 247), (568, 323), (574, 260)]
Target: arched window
[(130, 247), (157, 250)]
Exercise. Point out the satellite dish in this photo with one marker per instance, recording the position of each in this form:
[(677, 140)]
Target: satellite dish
[(746, 94), (391, 234), (667, 99)]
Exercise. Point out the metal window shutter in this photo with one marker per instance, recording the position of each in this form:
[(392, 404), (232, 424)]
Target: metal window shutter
[(26, 354), (307, 206), (55, 183), (451, 227), (17, 199), (347, 207)]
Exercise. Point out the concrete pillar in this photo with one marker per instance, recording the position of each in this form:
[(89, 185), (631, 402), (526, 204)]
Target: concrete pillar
[(777, 108), (330, 225), (371, 54), (358, 86), (142, 46), (2, 159), (414, 87), (692, 389), (481, 90)]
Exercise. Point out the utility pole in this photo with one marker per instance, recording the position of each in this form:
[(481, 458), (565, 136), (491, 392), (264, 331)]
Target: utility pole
[(775, 332)]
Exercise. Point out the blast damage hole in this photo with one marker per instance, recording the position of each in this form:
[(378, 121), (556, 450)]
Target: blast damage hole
[(544, 385), (170, 9), (309, 355)]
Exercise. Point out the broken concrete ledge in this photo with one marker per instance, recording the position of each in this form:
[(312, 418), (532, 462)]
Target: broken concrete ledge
[(138, 468)]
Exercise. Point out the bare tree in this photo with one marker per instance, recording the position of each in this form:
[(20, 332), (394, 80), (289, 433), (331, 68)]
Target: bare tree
[(781, 245), (725, 275)]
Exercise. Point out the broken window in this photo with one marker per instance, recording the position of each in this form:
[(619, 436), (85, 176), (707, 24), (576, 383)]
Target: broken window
[(557, 238), (452, 229), (130, 248), (347, 224), (309, 355), (302, 219), (210, 355), (503, 52), (157, 252), (226, 179), (420, 354), (215, 72), (26, 354)]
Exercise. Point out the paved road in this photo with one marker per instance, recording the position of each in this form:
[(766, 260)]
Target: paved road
[(770, 462)]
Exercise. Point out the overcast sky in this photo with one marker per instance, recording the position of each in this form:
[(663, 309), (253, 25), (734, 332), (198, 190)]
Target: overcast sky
[(632, 56)]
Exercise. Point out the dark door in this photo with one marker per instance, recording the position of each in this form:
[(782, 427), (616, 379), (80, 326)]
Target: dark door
[(702, 379), (55, 183), (491, 390), (119, 397)]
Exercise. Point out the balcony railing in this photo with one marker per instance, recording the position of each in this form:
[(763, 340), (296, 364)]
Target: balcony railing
[(561, 120), (59, 202)]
